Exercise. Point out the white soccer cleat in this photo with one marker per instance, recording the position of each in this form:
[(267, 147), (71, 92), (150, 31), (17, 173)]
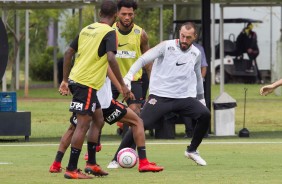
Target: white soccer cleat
[(196, 157), (113, 165)]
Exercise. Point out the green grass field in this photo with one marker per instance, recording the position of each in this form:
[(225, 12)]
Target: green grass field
[(230, 159), (228, 162)]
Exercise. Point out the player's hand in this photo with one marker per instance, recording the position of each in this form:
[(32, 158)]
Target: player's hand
[(131, 97), (203, 101), (265, 90), (127, 80), (125, 92), (64, 89)]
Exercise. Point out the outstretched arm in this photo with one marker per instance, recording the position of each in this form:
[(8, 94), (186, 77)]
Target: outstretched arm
[(265, 90), (145, 59)]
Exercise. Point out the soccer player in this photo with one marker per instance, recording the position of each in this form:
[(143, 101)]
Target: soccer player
[(132, 43), (96, 51), (175, 86), (113, 111)]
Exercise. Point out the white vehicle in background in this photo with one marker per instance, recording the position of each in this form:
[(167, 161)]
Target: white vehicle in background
[(235, 67)]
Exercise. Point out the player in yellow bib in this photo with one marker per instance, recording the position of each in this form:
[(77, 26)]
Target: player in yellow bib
[(132, 43), (96, 50)]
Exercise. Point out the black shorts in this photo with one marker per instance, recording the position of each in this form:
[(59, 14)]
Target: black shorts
[(112, 114), (136, 89), (115, 112), (84, 100)]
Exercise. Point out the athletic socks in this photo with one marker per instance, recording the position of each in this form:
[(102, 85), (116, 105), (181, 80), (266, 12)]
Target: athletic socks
[(59, 156), (73, 159), (91, 147), (141, 152)]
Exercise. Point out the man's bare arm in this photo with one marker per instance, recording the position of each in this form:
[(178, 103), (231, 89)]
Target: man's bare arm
[(67, 63), (144, 47)]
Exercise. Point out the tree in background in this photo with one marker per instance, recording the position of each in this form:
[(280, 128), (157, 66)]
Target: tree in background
[(70, 26), (151, 25), (38, 33), (38, 27)]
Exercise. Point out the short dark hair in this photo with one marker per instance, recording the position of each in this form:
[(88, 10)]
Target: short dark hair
[(127, 4), (108, 8), (190, 25)]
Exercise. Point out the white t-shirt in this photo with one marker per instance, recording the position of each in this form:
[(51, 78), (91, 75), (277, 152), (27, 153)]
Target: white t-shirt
[(105, 94), (175, 73)]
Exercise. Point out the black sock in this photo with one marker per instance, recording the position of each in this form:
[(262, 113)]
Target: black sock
[(141, 152), (133, 146), (191, 149), (91, 147), (59, 156), (74, 156)]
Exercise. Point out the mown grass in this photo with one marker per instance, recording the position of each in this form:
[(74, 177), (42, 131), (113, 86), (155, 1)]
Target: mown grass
[(230, 159), (262, 114), (227, 163)]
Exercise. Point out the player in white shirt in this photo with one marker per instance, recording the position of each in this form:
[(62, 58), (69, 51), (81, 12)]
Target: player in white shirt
[(175, 86)]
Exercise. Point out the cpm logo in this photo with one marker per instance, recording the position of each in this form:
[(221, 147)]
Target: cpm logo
[(113, 116), (76, 106)]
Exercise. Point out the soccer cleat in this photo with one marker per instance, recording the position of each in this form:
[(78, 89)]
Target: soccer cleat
[(98, 147), (55, 168), (113, 165), (76, 174), (195, 156), (149, 167), (95, 169), (86, 156)]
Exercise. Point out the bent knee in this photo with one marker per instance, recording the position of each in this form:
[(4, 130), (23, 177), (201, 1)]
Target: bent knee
[(137, 122), (136, 108), (206, 114)]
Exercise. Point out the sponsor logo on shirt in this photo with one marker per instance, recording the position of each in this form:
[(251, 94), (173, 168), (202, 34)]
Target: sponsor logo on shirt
[(74, 120), (171, 48), (136, 31), (113, 116), (125, 54), (179, 64), (194, 54), (76, 106), (121, 45), (152, 101), (89, 27)]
